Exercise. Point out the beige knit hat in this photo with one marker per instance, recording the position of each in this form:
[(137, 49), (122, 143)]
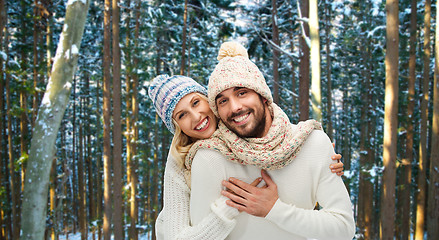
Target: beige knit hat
[(235, 70)]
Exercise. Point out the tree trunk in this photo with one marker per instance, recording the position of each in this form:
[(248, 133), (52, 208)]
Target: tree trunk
[(433, 193), (149, 213), (11, 173), (99, 169), (293, 66), (35, 62), (276, 54), (134, 166), (164, 148), (49, 37), (364, 199), (2, 126), (407, 160), (131, 127), (346, 134), (88, 157), (53, 206), (189, 50), (390, 121), (117, 128), (183, 45), (107, 125), (135, 105), (74, 186), (154, 192), (53, 230), (3, 19), (422, 184), (48, 121), (23, 130), (316, 91), (370, 158), (11, 187), (7, 139), (329, 128), (81, 173), (145, 184), (128, 123), (63, 201), (153, 203), (304, 67)]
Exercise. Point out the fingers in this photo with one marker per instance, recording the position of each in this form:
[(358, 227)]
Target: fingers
[(238, 187), (339, 165), (256, 182), (267, 178), (333, 145), (243, 185), (232, 196), (256, 201), (336, 157), (337, 168), (238, 190), (233, 204)]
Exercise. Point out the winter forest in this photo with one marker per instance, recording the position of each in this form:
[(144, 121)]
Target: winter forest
[(83, 151)]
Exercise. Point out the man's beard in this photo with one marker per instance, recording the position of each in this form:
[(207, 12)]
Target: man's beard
[(256, 131)]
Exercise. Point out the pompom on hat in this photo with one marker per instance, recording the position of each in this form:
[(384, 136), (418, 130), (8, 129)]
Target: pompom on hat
[(235, 70), (165, 92)]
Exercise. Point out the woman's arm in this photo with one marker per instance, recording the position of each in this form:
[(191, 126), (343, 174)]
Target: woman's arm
[(174, 220)]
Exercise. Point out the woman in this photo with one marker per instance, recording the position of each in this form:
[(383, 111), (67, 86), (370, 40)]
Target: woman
[(182, 104)]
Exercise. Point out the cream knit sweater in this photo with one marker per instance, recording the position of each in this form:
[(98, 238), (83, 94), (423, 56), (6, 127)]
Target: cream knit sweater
[(306, 180), (173, 221)]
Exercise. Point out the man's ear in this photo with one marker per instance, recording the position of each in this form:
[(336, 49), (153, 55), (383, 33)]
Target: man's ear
[(265, 101)]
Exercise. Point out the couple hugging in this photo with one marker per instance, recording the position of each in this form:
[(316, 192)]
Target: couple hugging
[(237, 167)]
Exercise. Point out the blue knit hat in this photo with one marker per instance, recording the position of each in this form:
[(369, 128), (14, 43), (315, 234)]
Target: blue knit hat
[(165, 92)]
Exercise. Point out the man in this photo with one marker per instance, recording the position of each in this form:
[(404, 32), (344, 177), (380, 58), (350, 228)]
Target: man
[(297, 163)]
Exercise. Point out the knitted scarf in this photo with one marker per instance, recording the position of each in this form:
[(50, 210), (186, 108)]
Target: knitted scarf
[(273, 151)]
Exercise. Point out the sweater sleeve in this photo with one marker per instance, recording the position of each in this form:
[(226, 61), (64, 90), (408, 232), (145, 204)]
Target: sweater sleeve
[(335, 219), (174, 220)]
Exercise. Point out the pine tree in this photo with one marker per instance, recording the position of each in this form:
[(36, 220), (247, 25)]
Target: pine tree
[(390, 121), (422, 185), (433, 193)]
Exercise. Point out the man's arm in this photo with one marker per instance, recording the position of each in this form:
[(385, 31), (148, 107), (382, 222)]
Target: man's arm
[(256, 201), (334, 221)]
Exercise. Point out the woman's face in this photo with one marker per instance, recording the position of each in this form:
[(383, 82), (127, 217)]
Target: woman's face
[(193, 115)]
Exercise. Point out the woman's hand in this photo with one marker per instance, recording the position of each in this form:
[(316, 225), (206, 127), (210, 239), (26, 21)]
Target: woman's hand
[(256, 201)]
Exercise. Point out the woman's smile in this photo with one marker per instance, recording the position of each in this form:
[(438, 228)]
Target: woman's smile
[(194, 116), (203, 125)]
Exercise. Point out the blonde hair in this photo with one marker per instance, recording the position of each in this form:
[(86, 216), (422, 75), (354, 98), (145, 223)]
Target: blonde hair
[(182, 143)]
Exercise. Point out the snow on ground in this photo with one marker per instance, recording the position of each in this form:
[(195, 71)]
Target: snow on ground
[(77, 236)]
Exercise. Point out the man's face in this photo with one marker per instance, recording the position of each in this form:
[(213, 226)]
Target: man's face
[(243, 111)]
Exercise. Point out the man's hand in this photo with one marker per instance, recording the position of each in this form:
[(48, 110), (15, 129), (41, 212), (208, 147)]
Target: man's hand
[(337, 168), (256, 201)]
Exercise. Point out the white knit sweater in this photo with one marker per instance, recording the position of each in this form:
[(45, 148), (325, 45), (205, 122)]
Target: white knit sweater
[(173, 221), (305, 181)]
